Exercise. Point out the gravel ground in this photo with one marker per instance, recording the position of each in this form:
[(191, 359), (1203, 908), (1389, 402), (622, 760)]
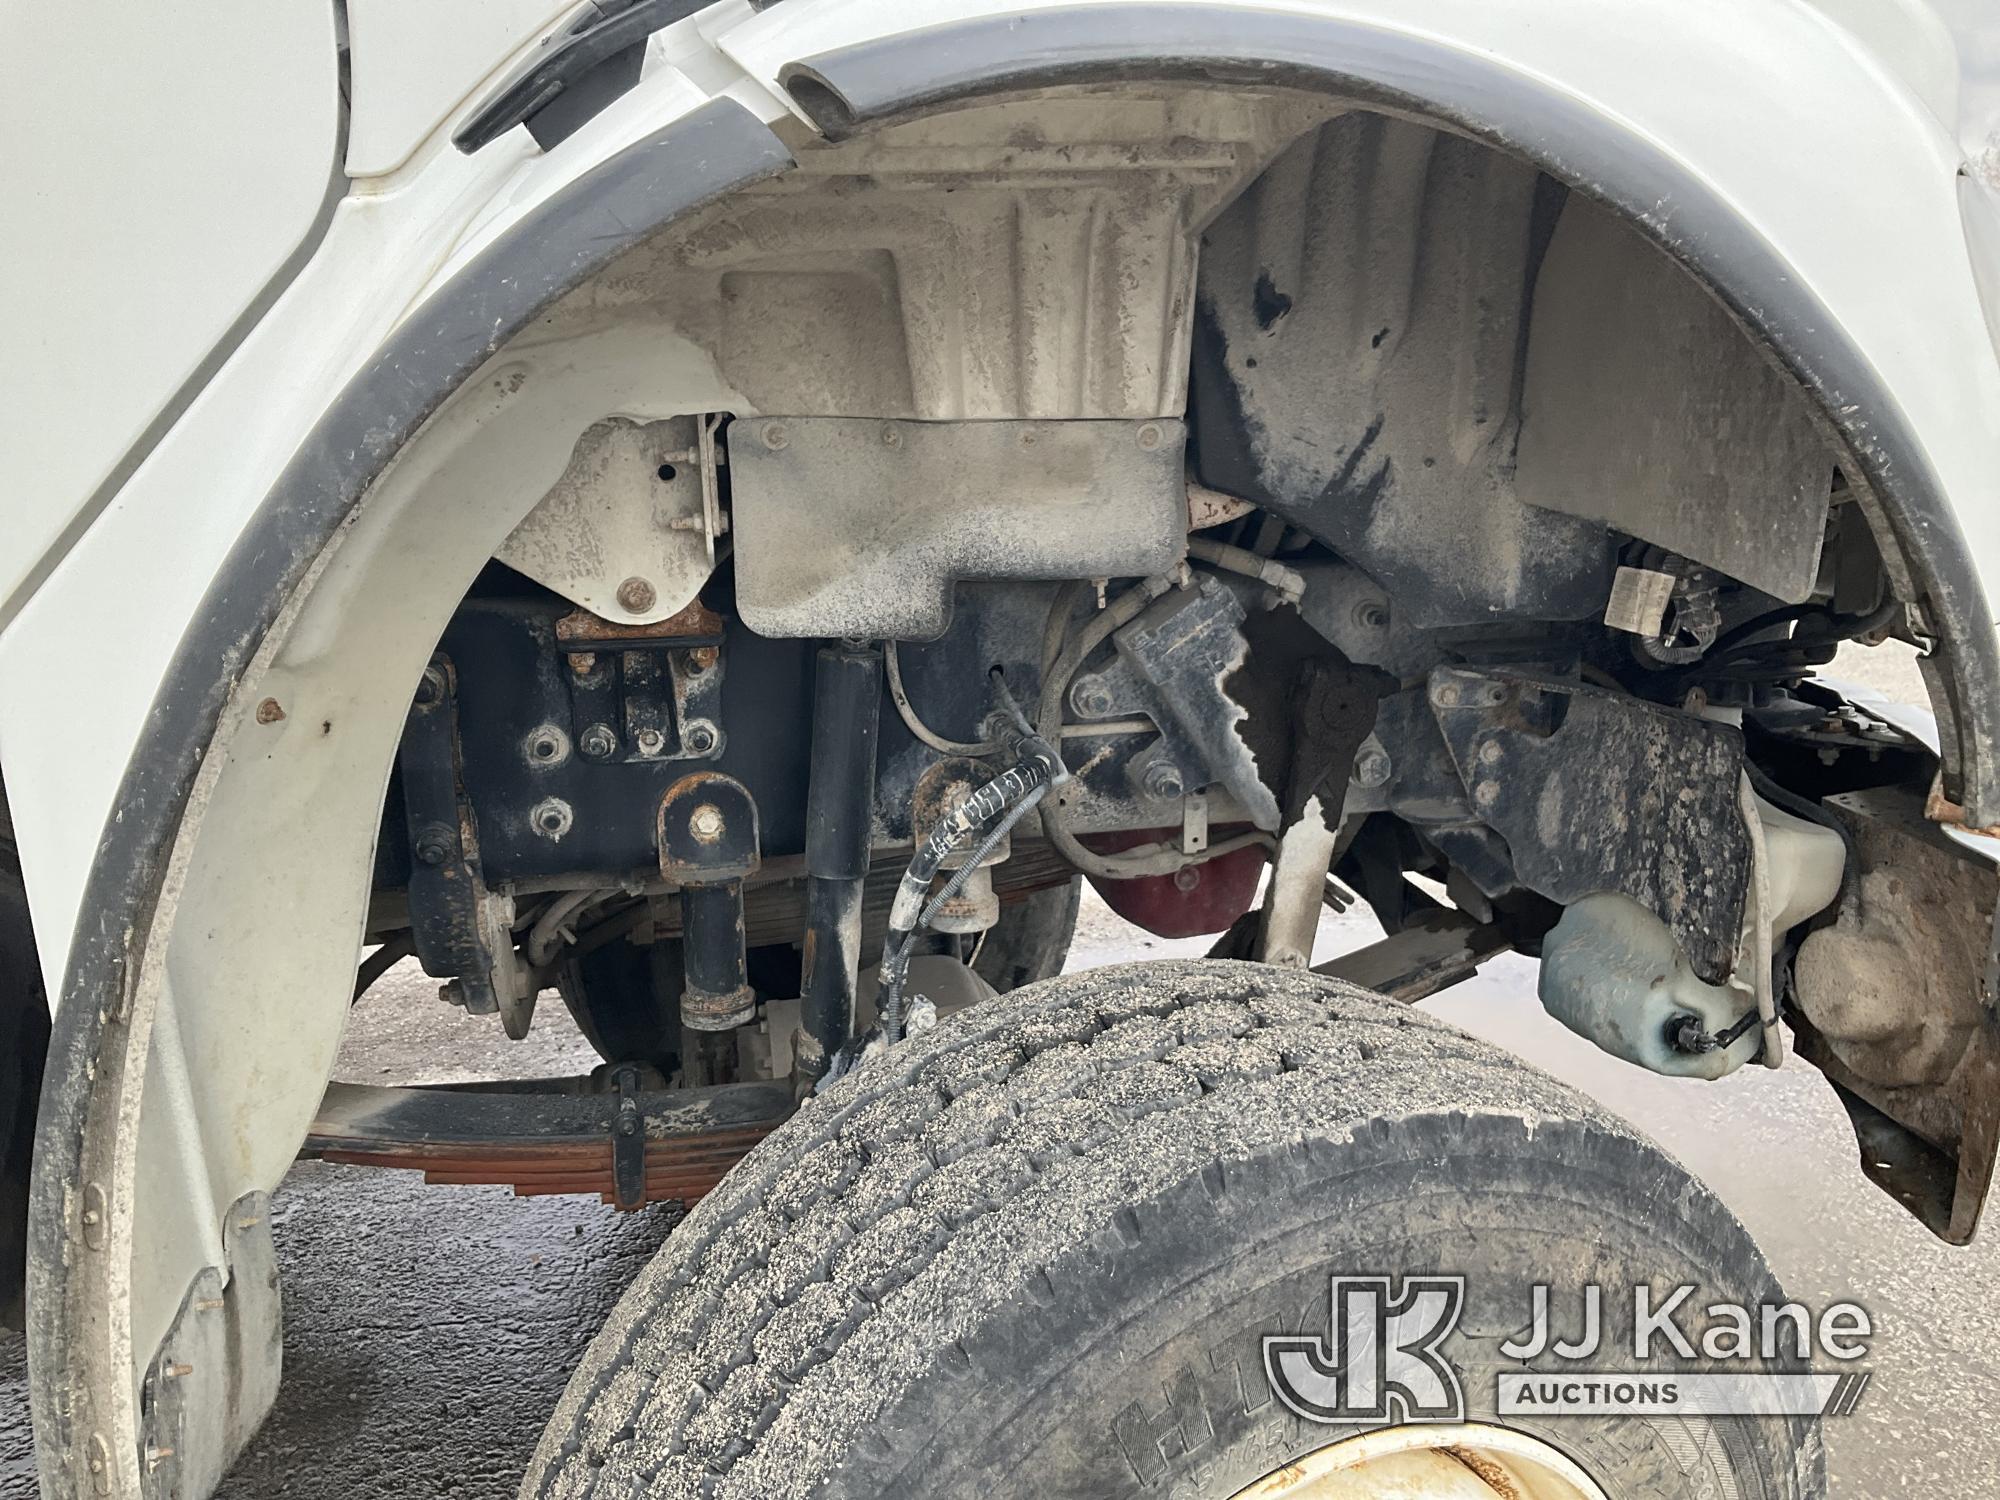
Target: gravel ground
[(430, 1330)]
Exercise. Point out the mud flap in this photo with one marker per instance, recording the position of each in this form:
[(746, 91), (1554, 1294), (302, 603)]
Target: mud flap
[(1896, 1005)]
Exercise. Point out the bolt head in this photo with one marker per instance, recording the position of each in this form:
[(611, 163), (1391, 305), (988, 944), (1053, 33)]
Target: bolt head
[(1163, 780), (1150, 436), (430, 688), (551, 818), (597, 741), (651, 741), (435, 845), (1372, 766), (774, 435), (547, 746), (706, 823), (637, 595), (1090, 698), (700, 737)]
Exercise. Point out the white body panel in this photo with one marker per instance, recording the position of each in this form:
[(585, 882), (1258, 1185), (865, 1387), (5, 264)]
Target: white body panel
[(412, 65), (1784, 112), (153, 193)]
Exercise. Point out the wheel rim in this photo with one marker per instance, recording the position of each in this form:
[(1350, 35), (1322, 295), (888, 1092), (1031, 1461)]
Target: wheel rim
[(1465, 1461)]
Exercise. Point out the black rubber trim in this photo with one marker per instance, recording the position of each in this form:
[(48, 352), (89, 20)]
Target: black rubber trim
[(575, 74), (942, 66), (579, 230)]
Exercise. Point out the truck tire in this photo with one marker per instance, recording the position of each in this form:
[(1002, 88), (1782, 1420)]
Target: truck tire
[(1037, 1254)]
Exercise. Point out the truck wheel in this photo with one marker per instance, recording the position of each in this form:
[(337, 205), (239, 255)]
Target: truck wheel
[(1037, 1255)]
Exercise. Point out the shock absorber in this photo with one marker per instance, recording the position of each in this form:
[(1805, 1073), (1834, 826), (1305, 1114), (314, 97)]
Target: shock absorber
[(840, 802)]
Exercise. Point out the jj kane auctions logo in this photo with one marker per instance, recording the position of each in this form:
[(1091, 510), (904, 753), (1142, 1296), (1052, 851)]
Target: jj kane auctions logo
[(1383, 1358)]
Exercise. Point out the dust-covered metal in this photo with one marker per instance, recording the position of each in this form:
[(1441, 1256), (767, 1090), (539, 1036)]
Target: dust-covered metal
[(549, 1136), (839, 529), (1174, 664), (1596, 791), (629, 530), (1893, 1005), (1432, 952), (461, 930)]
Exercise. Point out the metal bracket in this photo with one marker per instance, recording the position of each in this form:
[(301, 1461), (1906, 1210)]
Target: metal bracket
[(1172, 664), (644, 693), (628, 1141), (1594, 791), (457, 925)]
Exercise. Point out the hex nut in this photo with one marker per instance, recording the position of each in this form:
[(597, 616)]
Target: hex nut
[(1090, 698), (706, 823), (551, 818), (430, 688), (547, 745), (651, 741), (597, 741), (435, 845), (1163, 781), (1372, 766), (700, 737)]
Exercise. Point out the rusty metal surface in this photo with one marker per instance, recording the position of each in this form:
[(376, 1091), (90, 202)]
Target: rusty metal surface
[(541, 1142), (1941, 809), (580, 629)]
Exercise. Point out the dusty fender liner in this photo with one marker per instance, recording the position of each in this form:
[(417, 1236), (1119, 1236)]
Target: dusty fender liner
[(940, 66)]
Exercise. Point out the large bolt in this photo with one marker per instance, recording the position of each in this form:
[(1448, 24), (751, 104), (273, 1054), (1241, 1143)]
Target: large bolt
[(1163, 781), (706, 823), (1090, 697), (436, 844), (637, 595), (1371, 766), (597, 741), (548, 745), (551, 818)]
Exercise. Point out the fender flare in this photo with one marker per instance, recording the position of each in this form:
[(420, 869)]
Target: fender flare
[(578, 230)]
